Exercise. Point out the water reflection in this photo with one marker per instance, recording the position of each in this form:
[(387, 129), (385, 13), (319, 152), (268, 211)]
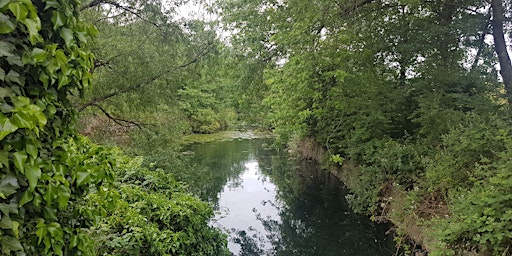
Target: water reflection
[(271, 205)]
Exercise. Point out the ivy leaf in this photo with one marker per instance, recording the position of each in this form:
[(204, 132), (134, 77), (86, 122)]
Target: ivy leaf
[(19, 10), (4, 159), (33, 26), (8, 185), (33, 174), (26, 198), (4, 3), (38, 55), (10, 243), (6, 222), (15, 60), (19, 161), (31, 150), (63, 198), (81, 177), (50, 213), (6, 49), (13, 76), (6, 209), (41, 230), (22, 120), (6, 25), (58, 19), (67, 35), (51, 4), (6, 127)]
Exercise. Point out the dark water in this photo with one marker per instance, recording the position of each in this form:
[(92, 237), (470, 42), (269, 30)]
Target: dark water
[(272, 205)]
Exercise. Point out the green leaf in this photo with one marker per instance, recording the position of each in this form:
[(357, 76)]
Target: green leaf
[(31, 150), (41, 230), (81, 177), (33, 174), (63, 199), (67, 35), (26, 198), (22, 120), (19, 161), (9, 185), (4, 3), (13, 76), (6, 222), (50, 213), (6, 209), (6, 25), (4, 159), (51, 4), (33, 26), (58, 19), (10, 243), (2, 75), (6, 49), (38, 55), (6, 127), (15, 60), (54, 229), (19, 10)]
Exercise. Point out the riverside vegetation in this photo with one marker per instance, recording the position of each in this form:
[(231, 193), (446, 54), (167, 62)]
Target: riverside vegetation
[(408, 90)]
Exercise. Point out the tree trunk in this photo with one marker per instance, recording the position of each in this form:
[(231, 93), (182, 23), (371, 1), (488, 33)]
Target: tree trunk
[(498, 17)]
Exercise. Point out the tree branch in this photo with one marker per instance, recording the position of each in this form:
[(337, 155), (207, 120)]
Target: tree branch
[(119, 6), (481, 41), (203, 52), (119, 121), (355, 6)]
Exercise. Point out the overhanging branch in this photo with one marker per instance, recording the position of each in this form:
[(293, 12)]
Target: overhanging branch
[(118, 6), (119, 121), (94, 101)]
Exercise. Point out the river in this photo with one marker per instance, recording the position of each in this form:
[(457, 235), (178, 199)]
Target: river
[(270, 204)]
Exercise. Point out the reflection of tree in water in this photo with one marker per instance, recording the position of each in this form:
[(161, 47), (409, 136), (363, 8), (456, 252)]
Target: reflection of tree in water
[(214, 164), (314, 217)]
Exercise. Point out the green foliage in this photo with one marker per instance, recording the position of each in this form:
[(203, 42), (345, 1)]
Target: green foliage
[(392, 87), (57, 188), (152, 215), (43, 60), (474, 166)]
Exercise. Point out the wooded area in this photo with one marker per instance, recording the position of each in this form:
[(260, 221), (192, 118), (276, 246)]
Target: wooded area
[(415, 93)]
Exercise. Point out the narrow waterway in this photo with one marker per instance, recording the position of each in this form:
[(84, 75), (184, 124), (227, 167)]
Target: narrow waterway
[(270, 204)]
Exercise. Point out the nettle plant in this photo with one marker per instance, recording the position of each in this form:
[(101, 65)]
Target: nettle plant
[(44, 172)]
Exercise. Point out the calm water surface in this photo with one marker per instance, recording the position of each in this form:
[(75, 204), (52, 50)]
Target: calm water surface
[(272, 205)]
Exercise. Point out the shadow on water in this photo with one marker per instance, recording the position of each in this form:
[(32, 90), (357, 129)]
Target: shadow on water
[(271, 205)]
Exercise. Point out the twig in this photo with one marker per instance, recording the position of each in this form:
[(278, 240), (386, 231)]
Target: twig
[(119, 6), (119, 121)]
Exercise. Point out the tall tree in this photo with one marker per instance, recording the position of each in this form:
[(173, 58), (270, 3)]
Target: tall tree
[(500, 46)]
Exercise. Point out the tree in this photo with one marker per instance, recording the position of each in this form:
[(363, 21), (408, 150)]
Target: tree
[(500, 46), (391, 85)]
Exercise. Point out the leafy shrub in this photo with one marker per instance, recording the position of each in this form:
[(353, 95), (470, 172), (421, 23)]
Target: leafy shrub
[(478, 173), (153, 216)]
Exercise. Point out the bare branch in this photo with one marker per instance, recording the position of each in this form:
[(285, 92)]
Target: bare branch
[(119, 121)]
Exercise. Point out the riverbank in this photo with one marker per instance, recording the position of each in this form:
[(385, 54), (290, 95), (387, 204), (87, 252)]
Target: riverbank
[(409, 231), (225, 135)]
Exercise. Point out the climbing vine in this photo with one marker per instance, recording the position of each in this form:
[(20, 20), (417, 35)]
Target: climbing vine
[(42, 179)]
